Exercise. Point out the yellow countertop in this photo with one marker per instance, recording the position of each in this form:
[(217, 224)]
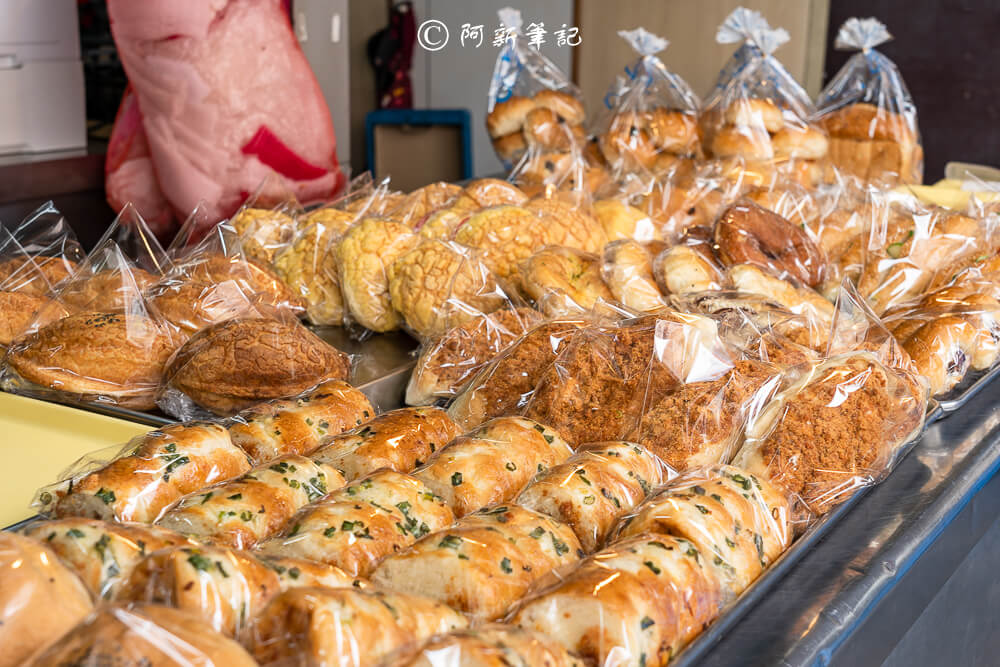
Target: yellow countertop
[(39, 440)]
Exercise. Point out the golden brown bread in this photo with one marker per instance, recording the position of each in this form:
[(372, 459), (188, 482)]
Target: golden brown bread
[(491, 645), (344, 626), (40, 599), (232, 365), (107, 356), (147, 635), (108, 289), (18, 310), (298, 425), (165, 465), (20, 274), (102, 553), (191, 306)]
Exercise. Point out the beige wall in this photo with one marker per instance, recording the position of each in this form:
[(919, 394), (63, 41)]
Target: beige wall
[(366, 18), (690, 25)]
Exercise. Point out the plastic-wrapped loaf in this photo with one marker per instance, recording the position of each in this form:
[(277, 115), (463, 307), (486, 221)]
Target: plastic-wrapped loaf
[(950, 332), (868, 112), (447, 362), (46, 237), (298, 425), (231, 365), (25, 288), (144, 634), (589, 491), (102, 553), (343, 627), (153, 472), (225, 587), (247, 510), (364, 256), (530, 102), (505, 235), (483, 563), (507, 382), (627, 270), (424, 201), (492, 463), (757, 116), (357, 526), (40, 599), (112, 348), (650, 117), (441, 284), (740, 522), (400, 440), (308, 266), (491, 645), (595, 389), (564, 282), (264, 229), (700, 420), (836, 429), (637, 602)]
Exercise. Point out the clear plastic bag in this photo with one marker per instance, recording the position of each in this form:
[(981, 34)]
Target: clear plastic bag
[(564, 282), (757, 113), (355, 527), (483, 563), (299, 425), (627, 269), (344, 627), (113, 346), (150, 473), (243, 512), (145, 634), (41, 598), (868, 112), (648, 112), (836, 428), (700, 420), (24, 291), (234, 364), (492, 463), (450, 360), (491, 644), (639, 601), (441, 284), (506, 384), (266, 222), (530, 102), (102, 553), (47, 238), (593, 488), (399, 440), (741, 521)]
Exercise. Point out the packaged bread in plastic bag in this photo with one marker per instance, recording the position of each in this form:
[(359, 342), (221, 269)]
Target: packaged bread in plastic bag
[(148, 474), (233, 364), (266, 220), (628, 271), (484, 562), (592, 489), (146, 634), (41, 598), (838, 425), (908, 243), (46, 238), (530, 102), (112, 346), (506, 384), (357, 526), (650, 115), (757, 113), (448, 361), (344, 627), (868, 112), (102, 553), (25, 292), (564, 282), (700, 420), (950, 332)]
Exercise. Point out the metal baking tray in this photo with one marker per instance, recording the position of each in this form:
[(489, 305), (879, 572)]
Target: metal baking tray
[(971, 384), (773, 575), (381, 369)]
